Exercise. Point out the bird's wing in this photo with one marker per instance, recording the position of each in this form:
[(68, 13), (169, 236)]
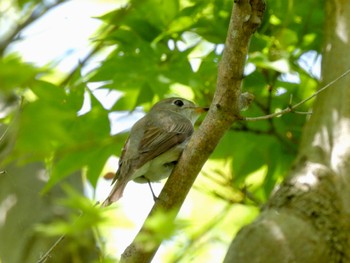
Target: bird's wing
[(121, 160), (156, 139), (120, 179), (159, 139)]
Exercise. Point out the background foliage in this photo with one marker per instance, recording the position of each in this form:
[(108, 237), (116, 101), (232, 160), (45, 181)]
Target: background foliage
[(155, 49)]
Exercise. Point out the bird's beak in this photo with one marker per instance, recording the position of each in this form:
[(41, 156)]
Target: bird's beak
[(200, 109)]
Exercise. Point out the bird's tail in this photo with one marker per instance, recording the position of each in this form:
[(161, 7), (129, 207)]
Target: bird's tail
[(116, 193)]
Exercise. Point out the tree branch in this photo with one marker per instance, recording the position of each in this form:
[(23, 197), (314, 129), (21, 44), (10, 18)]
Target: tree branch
[(37, 12), (245, 18), (307, 217), (291, 108)]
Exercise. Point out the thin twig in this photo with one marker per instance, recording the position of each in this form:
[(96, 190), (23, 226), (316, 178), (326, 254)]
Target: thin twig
[(35, 13), (303, 112), (198, 237), (291, 108), (47, 254), (97, 47), (59, 240), (2, 136)]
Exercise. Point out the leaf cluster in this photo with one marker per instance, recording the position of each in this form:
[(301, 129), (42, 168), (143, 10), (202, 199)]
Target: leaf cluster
[(153, 49)]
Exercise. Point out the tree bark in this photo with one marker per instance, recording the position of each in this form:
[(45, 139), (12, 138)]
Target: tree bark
[(245, 18), (306, 219)]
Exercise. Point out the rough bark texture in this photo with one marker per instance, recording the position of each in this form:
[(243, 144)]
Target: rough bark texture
[(246, 17), (307, 219)]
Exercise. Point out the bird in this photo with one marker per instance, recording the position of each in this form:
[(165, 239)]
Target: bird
[(155, 144)]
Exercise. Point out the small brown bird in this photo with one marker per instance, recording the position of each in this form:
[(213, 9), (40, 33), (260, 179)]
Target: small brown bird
[(155, 144)]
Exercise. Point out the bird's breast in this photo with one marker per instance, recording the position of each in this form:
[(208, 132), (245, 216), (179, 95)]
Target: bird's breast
[(160, 167)]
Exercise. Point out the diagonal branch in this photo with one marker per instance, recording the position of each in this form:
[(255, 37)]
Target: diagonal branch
[(245, 18), (37, 12)]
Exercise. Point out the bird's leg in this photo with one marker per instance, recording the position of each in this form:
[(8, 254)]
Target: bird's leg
[(155, 198)]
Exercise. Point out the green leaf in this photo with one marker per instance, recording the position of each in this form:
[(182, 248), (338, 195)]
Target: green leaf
[(279, 161), (180, 24), (158, 12), (143, 28), (160, 226), (14, 73), (89, 216), (287, 37), (146, 95), (49, 93), (43, 127)]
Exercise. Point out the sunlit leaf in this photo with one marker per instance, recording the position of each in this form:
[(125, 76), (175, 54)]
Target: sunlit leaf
[(15, 74)]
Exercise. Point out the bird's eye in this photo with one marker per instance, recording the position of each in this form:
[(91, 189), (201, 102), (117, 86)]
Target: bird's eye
[(179, 103)]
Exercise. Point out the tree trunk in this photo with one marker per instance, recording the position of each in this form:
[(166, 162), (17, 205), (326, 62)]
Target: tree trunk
[(23, 207), (306, 219)]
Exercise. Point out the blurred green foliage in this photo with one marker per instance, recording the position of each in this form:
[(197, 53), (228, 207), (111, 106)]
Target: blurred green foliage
[(154, 46), (158, 49)]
